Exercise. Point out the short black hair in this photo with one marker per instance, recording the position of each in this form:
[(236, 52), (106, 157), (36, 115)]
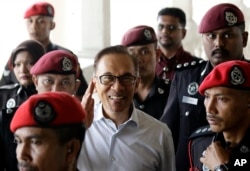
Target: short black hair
[(117, 49), (175, 12), (67, 132)]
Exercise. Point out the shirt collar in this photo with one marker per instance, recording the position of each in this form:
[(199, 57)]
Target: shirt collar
[(98, 115)]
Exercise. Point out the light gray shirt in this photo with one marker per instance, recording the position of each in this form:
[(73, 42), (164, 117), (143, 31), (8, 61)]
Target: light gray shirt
[(142, 143)]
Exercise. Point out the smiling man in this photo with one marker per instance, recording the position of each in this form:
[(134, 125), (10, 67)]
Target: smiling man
[(122, 137)]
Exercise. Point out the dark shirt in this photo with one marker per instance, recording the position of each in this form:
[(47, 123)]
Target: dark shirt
[(8, 76), (12, 96), (203, 137), (165, 67), (185, 111), (156, 99)]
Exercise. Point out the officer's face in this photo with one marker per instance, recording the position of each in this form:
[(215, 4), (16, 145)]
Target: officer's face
[(56, 82), (227, 109), (39, 149), (39, 27), (170, 32), (117, 95), (224, 44), (146, 55), (22, 65)]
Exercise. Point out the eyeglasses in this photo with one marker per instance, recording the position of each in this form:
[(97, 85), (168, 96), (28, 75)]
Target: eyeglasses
[(140, 52), (168, 27), (110, 79)]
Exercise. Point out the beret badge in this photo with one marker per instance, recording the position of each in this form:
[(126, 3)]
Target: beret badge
[(66, 64), (237, 77), (43, 112), (148, 34), (230, 18)]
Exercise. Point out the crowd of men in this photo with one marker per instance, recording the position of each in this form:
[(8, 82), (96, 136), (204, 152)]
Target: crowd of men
[(159, 108)]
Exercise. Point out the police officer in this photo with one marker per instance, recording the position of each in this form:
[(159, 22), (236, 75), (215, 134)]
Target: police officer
[(54, 71), (23, 57), (50, 136), (224, 37), (227, 102), (152, 93), (171, 23), (39, 22)]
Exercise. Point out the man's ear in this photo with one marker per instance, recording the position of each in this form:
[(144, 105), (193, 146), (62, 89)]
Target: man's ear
[(184, 31), (73, 147), (35, 80), (78, 82), (52, 25)]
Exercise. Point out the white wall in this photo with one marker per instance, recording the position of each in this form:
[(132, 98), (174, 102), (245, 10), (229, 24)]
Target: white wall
[(124, 15)]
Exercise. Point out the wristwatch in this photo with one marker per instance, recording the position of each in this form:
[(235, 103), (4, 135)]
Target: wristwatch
[(222, 167)]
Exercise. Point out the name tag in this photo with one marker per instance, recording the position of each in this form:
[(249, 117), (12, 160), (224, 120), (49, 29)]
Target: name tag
[(190, 100)]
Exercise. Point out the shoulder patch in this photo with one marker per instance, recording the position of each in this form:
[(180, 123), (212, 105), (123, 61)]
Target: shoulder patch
[(10, 86), (202, 131), (190, 64)]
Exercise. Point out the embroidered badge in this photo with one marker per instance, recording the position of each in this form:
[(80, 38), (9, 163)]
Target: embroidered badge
[(193, 88), (236, 76), (66, 64), (148, 34), (11, 103), (230, 18), (44, 112), (244, 149)]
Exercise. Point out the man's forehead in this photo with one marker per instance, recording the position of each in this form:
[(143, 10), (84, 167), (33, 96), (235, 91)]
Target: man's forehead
[(37, 17), (34, 132), (225, 30), (57, 76), (139, 47)]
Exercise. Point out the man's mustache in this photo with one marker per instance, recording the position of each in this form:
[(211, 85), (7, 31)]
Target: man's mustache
[(221, 51)]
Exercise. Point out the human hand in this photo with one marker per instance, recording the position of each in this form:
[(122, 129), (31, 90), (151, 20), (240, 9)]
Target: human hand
[(215, 155), (88, 104)]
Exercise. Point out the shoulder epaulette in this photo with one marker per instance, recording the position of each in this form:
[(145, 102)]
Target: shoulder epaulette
[(10, 86), (190, 64), (202, 131)]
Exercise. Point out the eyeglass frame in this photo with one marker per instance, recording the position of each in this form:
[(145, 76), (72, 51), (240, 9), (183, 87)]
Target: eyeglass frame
[(116, 78), (168, 27)]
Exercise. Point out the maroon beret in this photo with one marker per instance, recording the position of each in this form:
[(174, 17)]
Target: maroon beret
[(57, 62), (48, 109), (232, 74), (221, 16), (35, 48), (139, 35), (40, 8)]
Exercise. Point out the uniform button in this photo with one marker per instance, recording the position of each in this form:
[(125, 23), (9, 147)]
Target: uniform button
[(193, 63), (178, 66), (187, 113), (113, 158), (185, 64), (165, 69), (141, 106)]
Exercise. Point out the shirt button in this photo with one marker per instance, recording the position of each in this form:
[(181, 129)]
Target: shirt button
[(187, 113), (113, 158)]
